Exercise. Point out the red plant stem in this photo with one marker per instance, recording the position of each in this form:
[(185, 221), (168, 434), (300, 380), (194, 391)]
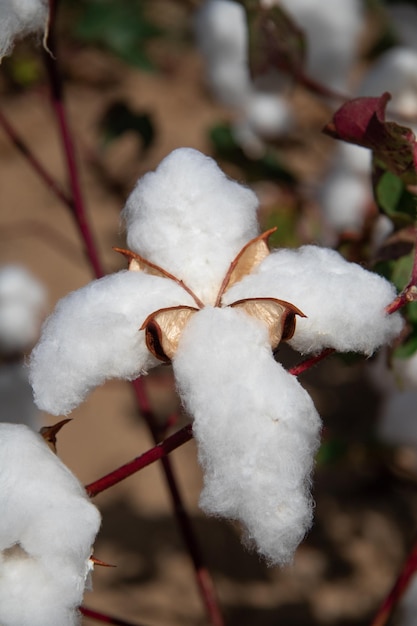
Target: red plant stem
[(145, 459), (398, 590), (103, 617), (78, 208), (310, 362), (203, 577), (33, 161)]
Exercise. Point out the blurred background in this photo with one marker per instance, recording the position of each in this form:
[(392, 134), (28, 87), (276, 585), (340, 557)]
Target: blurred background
[(140, 79)]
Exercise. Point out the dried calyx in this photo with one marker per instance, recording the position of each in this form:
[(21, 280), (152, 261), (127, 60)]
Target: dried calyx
[(163, 328)]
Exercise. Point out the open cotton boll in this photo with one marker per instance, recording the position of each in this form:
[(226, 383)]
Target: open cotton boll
[(344, 304), (47, 528), (93, 335), (22, 305), (18, 18), (190, 219), (221, 31), (256, 428)]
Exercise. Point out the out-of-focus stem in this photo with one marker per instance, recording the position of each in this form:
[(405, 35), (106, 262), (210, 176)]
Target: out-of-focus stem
[(398, 590), (203, 576), (107, 619), (145, 459), (33, 161), (57, 98)]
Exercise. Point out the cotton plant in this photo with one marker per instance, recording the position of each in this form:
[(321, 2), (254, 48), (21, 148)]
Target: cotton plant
[(262, 105), (204, 292), (18, 18), (47, 529), (348, 178), (22, 309)]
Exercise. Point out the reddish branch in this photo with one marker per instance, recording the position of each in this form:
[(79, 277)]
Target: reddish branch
[(103, 617), (398, 590), (145, 459)]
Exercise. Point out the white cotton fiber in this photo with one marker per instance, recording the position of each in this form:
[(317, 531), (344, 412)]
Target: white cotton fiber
[(190, 219), (47, 528), (257, 429), (22, 305), (344, 304), (18, 18), (93, 335), (332, 30), (221, 32)]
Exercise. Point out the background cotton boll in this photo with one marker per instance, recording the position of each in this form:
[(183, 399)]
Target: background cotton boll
[(47, 529), (22, 306), (344, 304), (332, 30), (18, 18), (256, 428), (221, 32), (268, 114), (190, 219), (93, 335)]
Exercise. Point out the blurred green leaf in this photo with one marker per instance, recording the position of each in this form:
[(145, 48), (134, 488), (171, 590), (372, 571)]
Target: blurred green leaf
[(120, 26), (265, 167), (408, 347), (120, 119), (394, 199)]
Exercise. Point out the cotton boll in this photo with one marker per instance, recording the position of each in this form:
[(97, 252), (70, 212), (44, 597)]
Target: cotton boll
[(190, 219), (332, 30), (256, 428), (221, 32), (47, 528), (18, 18), (22, 305), (394, 71), (343, 197), (93, 335), (344, 304)]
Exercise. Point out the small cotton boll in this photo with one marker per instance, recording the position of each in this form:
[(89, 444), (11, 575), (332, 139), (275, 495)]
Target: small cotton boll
[(221, 32), (256, 428), (343, 198), (93, 335), (18, 18), (332, 30), (190, 219), (22, 305), (268, 114), (344, 304), (47, 529)]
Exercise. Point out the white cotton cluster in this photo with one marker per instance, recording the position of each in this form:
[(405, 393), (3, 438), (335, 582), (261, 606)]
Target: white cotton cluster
[(190, 219), (261, 110), (47, 528), (19, 18), (257, 430), (22, 306), (344, 304), (93, 335), (332, 30)]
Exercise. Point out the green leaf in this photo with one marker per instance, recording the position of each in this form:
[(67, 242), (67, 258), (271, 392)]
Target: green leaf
[(408, 348), (119, 26), (119, 119), (393, 198), (266, 167)]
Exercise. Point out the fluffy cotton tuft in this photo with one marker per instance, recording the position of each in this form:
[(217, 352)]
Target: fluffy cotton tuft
[(22, 305), (344, 304), (256, 427), (190, 219), (47, 528), (19, 18), (94, 335)]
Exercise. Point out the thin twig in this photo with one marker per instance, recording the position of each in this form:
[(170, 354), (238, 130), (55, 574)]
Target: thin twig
[(145, 459), (107, 619), (398, 590)]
